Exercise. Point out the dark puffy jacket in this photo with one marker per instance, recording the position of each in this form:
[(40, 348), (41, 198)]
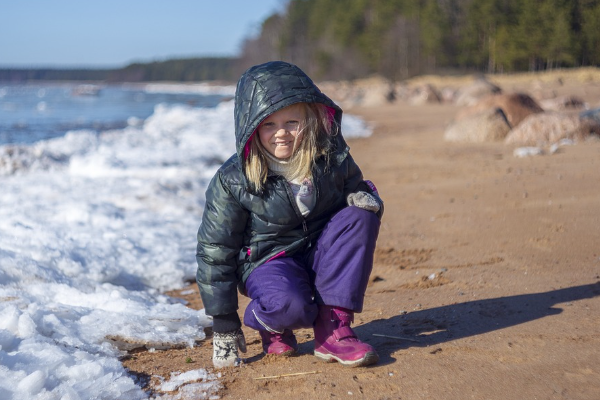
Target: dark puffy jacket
[(241, 230)]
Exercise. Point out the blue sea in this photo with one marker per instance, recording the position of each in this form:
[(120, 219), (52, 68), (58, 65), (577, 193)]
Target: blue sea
[(29, 113), (101, 195)]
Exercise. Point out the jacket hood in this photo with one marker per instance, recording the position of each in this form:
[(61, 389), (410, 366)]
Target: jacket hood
[(267, 88)]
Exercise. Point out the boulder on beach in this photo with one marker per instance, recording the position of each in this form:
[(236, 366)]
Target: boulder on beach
[(473, 93), (448, 94), (516, 107), (424, 94), (486, 126), (376, 95), (370, 92), (562, 103), (593, 115), (550, 127), (341, 92)]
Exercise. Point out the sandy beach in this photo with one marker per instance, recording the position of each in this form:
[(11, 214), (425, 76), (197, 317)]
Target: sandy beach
[(486, 283)]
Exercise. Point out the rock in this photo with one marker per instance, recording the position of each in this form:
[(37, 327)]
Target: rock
[(516, 107), (562, 103), (449, 94), (377, 95), (472, 94), (340, 92), (402, 91), (424, 94), (370, 92), (550, 127), (593, 115), (488, 125)]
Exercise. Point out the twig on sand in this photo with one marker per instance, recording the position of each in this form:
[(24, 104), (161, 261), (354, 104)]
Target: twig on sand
[(396, 337), (285, 375)]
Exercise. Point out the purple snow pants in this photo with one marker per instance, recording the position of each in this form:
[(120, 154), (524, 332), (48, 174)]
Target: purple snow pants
[(286, 291)]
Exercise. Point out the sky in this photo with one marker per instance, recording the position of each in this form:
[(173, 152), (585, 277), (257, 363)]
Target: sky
[(114, 33)]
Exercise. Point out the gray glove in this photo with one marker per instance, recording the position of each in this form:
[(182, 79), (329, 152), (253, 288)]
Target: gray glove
[(363, 200), (226, 346)]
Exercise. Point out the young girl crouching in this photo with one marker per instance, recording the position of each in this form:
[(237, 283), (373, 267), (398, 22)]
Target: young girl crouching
[(290, 222)]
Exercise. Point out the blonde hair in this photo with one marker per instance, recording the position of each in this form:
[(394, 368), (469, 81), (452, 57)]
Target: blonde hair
[(314, 135)]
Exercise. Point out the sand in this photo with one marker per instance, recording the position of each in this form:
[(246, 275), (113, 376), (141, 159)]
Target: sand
[(486, 277)]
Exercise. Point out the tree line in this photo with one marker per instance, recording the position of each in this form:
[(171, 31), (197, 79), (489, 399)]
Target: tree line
[(397, 39), (178, 70), (335, 39)]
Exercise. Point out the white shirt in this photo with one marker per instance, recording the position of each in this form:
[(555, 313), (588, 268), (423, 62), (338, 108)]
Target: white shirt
[(303, 189)]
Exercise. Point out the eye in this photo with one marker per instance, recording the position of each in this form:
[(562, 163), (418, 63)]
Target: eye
[(293, 122)]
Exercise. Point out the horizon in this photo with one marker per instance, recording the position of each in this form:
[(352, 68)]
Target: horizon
[(108, 67), (67, 34)]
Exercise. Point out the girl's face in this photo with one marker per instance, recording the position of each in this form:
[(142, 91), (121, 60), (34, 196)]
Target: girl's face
[(280, 133)]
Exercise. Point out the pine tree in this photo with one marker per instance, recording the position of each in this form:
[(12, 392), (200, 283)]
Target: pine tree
[(590, 28)]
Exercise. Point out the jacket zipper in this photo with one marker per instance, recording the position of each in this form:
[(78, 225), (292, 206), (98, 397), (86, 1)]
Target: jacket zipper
[(292, 201)]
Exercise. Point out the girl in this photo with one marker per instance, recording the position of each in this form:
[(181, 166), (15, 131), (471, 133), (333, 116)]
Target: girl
[(290, 222)]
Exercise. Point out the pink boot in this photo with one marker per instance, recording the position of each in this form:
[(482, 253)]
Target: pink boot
[(336, 341), (281, 344)]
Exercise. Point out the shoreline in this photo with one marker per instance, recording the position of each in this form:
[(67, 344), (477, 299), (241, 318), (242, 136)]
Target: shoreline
[(487, 262)]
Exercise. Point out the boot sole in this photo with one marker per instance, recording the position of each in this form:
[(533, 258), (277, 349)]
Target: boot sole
[(368, 359)]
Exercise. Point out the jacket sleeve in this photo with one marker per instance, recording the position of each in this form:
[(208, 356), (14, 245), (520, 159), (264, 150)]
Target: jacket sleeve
[(356, 183), (220, 240)]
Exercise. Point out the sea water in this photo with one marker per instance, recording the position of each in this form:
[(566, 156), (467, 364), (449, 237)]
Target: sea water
[(101, 196)]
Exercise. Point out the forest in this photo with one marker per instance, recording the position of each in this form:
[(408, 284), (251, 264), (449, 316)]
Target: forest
[(396, 39), (179, 70)]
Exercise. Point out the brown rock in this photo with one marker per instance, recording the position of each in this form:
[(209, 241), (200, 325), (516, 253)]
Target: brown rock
[(550, 127), (472, 94), (516, 107), (487, 126), (370, 92), (562, 103), (425, 94)]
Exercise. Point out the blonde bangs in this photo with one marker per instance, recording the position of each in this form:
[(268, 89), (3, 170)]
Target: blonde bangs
[(314, 142)]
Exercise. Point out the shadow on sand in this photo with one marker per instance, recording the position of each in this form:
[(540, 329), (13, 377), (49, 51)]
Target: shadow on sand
[(443, 324)]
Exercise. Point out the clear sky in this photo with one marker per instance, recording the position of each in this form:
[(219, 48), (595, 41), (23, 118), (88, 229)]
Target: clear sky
[(114, 33)]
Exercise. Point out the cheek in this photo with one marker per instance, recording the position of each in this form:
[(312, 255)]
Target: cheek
[(263, 137)]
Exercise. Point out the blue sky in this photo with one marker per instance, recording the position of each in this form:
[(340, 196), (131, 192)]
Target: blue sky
[(113, 33)]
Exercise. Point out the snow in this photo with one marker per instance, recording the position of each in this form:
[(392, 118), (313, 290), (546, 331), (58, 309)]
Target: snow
[(93, 229)]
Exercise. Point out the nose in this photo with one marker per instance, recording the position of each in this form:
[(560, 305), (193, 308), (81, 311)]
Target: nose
[(281, 132)]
